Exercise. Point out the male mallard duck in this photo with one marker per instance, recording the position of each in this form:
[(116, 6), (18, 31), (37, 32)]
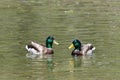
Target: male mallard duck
[(81, 49), (40, 49)]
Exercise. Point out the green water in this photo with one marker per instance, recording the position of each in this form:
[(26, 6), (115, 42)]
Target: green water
[(91, 21)]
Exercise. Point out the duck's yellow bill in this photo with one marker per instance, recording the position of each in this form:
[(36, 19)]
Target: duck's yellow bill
[(71, 46), (55, 42)]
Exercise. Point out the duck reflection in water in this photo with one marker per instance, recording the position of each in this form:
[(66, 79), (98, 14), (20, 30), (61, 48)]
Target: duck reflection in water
[(50, 63), (76, 61), (80, 61)]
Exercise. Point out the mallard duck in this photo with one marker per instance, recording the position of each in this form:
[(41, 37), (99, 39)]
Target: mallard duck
[(40, 49), (80, 49)]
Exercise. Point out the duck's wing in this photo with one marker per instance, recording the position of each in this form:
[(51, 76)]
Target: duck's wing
[(84, 48), (37, 46), (91, 47), (87, 48)]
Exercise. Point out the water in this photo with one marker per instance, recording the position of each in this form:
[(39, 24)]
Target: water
[(94, 21)]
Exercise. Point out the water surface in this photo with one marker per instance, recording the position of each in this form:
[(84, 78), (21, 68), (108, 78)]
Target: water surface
[(91, 21)]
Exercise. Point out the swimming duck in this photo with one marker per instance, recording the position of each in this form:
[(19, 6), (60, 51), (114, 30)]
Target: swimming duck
[(40, 49), (79, 49)]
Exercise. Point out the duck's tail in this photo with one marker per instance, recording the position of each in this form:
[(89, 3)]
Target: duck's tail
[(91, 47), (27, 47), (31, 50)]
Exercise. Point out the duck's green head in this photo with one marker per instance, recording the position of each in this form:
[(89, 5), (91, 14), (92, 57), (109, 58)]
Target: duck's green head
[(76, 43), (49, 41)]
